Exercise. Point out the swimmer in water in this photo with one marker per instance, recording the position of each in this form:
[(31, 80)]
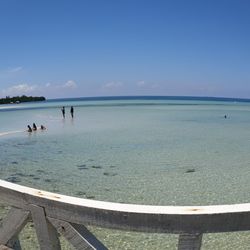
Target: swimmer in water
[(29, 128), (42, 127), (34, 127)]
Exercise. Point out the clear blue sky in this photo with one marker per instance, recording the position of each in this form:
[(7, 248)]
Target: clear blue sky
[(79, 48)]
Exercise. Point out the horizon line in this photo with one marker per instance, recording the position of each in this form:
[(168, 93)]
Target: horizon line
[(174, 97)]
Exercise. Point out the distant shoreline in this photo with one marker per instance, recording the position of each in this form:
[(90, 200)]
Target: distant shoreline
[(19, 99)]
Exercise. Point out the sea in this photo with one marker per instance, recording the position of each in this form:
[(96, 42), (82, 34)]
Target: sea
[(153, 150)]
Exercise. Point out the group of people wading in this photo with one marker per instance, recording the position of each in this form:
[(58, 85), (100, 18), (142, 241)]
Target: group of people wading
[(34, 128), (71, 111)]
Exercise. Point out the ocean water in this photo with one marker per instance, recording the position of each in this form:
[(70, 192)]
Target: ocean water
[(155, 151)]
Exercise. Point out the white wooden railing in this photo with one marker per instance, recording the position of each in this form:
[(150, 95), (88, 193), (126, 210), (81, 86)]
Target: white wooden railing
[(53, 213)]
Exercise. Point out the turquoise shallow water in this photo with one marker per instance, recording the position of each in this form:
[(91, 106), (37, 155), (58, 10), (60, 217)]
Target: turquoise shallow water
[(160, 152)]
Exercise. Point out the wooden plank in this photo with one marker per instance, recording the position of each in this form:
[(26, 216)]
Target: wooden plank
[(78, 235), (46, 233), (190, 241), (144, 218), (88, 236), (12, 225)]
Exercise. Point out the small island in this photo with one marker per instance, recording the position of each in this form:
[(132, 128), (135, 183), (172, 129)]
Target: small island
[(19, 99)]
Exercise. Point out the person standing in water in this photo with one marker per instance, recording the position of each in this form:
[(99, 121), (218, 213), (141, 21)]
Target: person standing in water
[(72, 111), (34, 127), (63, 111)]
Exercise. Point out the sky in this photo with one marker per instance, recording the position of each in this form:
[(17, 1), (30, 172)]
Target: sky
[(82, 48)]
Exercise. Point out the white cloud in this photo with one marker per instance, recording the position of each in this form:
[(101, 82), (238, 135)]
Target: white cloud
[(45, 89), (14, 70), (70, 84), (113, 85), (20, 89), (141, 84), (155, 85), (11, 72)]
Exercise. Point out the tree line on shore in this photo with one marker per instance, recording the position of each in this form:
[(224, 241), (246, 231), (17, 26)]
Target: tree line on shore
[(23, 98)]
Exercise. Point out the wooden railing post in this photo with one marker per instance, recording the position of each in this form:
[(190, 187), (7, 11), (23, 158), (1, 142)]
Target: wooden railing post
[(46, 233)]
